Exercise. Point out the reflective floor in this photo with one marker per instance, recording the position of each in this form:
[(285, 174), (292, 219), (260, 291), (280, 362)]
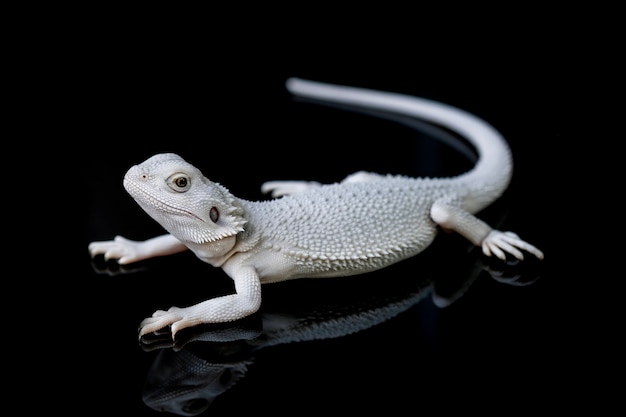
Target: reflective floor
[(447, 328)]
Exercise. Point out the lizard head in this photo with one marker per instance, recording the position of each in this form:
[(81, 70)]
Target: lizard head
[(182, 200)]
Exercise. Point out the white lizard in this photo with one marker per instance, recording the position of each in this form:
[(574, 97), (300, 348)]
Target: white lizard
[(363, 223)]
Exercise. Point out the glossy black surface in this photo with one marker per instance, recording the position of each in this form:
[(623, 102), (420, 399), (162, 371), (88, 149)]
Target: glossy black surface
[(497, 344)]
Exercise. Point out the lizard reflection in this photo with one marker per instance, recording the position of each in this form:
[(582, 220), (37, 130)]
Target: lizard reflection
[(205, 361)]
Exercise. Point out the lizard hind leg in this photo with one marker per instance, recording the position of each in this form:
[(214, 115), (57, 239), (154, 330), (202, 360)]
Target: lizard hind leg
[(493, 242)]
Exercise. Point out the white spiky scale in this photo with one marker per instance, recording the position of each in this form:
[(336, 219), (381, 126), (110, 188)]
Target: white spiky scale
[(326, 225)]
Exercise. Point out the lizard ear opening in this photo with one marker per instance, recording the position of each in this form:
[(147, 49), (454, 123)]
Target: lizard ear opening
[(214, 214)]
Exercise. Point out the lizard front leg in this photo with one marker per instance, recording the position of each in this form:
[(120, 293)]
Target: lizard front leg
[(363, 176), (492, 242), (127, 251), (280, 188), (245, 301)]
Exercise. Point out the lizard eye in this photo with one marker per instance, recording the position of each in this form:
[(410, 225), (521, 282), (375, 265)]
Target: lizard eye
[(179, 182), (214, 214)]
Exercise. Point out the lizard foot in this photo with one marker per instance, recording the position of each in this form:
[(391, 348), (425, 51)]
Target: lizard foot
[(500, 243), (175, 317), (124, 250), (280, 188)]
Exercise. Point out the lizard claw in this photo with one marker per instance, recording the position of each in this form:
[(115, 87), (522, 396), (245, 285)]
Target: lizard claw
[(499, 243)]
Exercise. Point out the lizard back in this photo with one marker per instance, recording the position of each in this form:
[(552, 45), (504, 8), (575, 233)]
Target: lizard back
[(358, 226)]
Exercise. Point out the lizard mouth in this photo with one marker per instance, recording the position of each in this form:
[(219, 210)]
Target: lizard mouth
[(148, 200)]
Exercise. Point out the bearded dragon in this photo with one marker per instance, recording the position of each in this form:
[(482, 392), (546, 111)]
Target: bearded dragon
[(363, 223)]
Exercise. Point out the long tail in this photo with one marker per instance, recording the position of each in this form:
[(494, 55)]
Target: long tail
[(492, 172)]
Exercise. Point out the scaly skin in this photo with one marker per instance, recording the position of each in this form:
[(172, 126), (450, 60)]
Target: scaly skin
[(363, 223)]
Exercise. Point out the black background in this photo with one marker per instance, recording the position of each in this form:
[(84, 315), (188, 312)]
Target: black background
[(111, 99)]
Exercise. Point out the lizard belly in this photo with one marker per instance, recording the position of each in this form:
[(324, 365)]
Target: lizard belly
[(274, 264), (314, 265)]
